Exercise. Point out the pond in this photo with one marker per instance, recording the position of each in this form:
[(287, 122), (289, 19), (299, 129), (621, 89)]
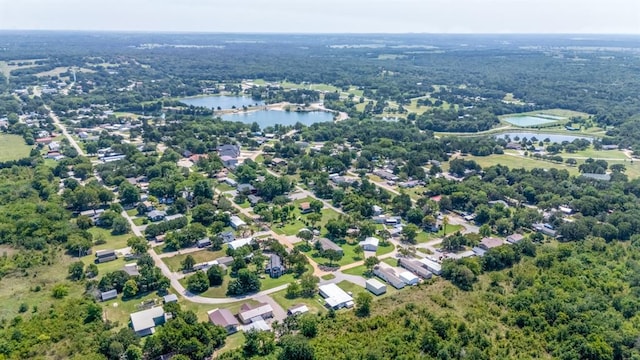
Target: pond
[(528, 120), (224, 102), (557, 138), (266, 118)]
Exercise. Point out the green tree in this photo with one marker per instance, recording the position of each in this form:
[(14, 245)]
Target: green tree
[(130, 289), (59, 291), (120, 226), (370, 263), (409, 233), (198, 282), (216, 275), (76, 270), (84, 222), (138, 245), (332, 256), (129, 194), (91, 271), (358, 250), (246, 282), (134, 353), (309, 285), (260, 343), (293, 290), (363, 304), (485, 230), (295, 347), (188, 263), (316, 206)]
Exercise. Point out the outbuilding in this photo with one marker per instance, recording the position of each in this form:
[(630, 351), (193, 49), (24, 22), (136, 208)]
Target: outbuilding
[(376, 287), (108, 295), (335, 297), (409, 278)]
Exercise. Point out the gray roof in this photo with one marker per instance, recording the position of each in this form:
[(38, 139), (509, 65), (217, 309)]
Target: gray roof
[(601, 177), (170, 298), (275, 261), (146, 319), (329, 245), (111, 294)]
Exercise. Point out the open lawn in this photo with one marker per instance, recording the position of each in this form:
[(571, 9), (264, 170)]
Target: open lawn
[(106, 267), (385, 249), (328, 277), (13, 147), (518, 162), (114, 242), (269, 282), (357, 271), (424, 236), (315, 304), (233, 341), (597, 154), (349, 256), (390, 261), (119, 310), (356, 289), (175, 262), (300, 221), (33, 287)]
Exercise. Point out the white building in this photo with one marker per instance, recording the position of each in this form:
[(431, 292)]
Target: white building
[(409, 278), (236, 222), (370, 244), (432, 266), (236, 244), (335, 297), (262, 311), (376, 287)]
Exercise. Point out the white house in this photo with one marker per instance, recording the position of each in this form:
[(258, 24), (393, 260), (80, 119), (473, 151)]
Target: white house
[(236, 222), (370, 243), (409, 278), (247, 313), (335, 297), (236, 244), (144, 322), (376, 287), (432, 266)]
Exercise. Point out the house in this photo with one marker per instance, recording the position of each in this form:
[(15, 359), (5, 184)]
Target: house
[(370, 243), (609, 147), (248, 312), (254, 200), (131, 269), (229, 161), (298, 310), (377, 210), (326, 244), (105, 255), (376, 287), (546, 230), (275, 267), (247, 189), (225, 260), (415, 267), (278, 162), (409, 184), (389, 275), (409, 278), (108, 295), (478, 251), (224, 318), (232, 150), (202, 243), (227, 237), (599, 177), (54, 146), (157, 215), (335, 297), (236, 244), (93, 214), (432, 266), (230, 182), (144, 322), (395, 231), (496, 202), (490, 243), (173, 217), (147, 206), (384, 174), (565, 210), (379, 219), (514, 238), (305, 208), (236, 223), (171, 298), (513, 146), (392, 220)]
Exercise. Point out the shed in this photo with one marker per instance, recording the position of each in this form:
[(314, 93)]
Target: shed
[(236, 223), (108, 295), (204, 242), (514, 238), (171, 298), (335, 297), (376, 287), (298, 309)]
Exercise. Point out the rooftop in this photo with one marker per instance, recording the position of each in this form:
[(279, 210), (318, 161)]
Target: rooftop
[(222, 317)]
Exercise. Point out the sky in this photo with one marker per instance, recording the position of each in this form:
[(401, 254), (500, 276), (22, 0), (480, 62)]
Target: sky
[(326, 16)]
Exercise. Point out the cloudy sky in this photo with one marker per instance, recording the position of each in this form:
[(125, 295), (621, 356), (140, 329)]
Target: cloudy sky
[(327, 16)]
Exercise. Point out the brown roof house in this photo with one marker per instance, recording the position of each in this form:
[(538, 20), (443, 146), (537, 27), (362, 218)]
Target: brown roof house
[(224, 318)]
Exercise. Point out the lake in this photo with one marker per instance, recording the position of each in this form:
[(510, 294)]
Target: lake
[(557, 138), (528, 120), (266, 118), (224, 102)]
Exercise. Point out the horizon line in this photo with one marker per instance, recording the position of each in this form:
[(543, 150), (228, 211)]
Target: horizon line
[(310, 33)]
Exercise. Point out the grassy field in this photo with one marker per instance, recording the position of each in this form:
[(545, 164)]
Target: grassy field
[(114, 242), (356, 289), (13, 147), (315, 304), (424, 236), (6, 69), (328, 277), (518, 162), (175, 262), (33, 287), (300, 220), (597, 154), (390, 261)]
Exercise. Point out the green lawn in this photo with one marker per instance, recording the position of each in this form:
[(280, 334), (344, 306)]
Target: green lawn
[(328, 277), (315, 304), (300, 220), (356, 289), (106, 267), (349, 256), (597, 154), (424, 236), (358, 271), (232, 342), (13, 147), (517, 162), (175, 262), (390, 261), (114, 242), (139, 221), (119, 310), (385, 249), (132, 212)]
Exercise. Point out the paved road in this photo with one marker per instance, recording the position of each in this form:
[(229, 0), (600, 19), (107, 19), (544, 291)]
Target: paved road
[(58, 123)]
